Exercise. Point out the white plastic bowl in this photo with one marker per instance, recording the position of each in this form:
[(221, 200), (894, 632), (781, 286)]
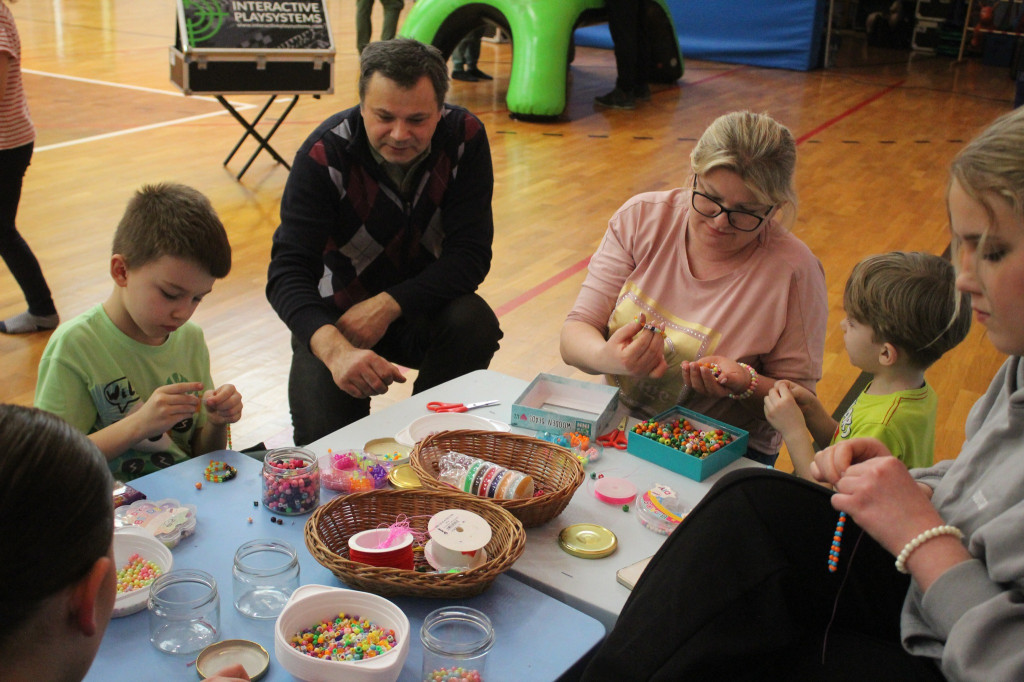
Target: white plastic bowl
[(420, 428), (128, 541), (311, 604)]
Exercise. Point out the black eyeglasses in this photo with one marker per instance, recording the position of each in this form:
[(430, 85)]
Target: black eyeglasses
[(744, 221)]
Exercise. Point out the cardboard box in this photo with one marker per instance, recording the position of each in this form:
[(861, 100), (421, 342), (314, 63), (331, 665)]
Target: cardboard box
[(554, 403), (675, 460)]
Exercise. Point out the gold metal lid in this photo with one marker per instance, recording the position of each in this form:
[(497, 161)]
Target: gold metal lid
[(253, 657), (587, 541), (389, 450), (403, 476)]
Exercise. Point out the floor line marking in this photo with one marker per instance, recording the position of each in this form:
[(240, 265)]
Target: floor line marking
[(129, 131)]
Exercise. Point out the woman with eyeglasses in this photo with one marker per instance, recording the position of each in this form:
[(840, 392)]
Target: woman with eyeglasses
[(700, 296)]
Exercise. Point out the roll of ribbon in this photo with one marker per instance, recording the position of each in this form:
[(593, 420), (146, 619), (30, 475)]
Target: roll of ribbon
[(458, 538), (365, 547), (614, 491)]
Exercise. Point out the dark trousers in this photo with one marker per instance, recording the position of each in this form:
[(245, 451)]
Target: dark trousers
[(632, 49), (459, 338), (741, 591), (15, 251)]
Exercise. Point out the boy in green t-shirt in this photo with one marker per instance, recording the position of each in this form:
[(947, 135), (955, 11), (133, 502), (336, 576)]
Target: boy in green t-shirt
[(133, 373), (902, 314)]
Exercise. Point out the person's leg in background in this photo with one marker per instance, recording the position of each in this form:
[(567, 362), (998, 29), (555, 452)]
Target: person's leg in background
[(41, 314), (363, 25), (465, 58), (624, 24), (741, 591), (392, 10)]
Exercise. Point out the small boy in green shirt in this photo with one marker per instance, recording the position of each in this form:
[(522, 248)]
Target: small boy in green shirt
[(133, 373), (902, 314)]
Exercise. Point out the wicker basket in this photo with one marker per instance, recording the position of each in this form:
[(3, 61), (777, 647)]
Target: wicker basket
[(331, 525), (553, 468)]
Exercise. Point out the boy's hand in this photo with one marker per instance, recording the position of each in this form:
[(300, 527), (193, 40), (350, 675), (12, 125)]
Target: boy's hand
[(223, 405), (167, 406), (783, 411), (801, 396)]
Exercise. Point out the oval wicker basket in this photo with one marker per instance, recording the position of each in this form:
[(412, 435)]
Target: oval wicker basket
[(554, 469), (329, 527)]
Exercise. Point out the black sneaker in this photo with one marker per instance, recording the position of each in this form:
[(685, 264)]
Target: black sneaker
[(480, 75), (617, 99), (642, 92), (461, 75)]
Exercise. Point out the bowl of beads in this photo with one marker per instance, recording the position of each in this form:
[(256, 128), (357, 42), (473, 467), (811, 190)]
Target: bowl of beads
[(167, 520), (353, 471), (659, 510), (687, 442), (140, 558), (330, 633), (388, 451)]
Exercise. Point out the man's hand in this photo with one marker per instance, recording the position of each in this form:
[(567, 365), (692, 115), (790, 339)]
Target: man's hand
[(360, 373), (365, 323)]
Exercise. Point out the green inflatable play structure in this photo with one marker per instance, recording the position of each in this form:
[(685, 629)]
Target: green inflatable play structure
[(541, 33)]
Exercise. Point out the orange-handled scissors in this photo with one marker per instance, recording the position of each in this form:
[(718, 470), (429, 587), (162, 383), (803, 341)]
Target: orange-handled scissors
[(616, 438), (457, 407)]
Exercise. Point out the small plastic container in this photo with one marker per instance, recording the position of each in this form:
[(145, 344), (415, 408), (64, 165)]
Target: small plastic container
[(353, 471), (659, 510), (291, 481), (265, 573), (184, 611), (456, 641)]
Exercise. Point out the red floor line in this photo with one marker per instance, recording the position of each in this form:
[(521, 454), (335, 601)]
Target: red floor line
[(540, 288), (522, 298), (857, 107), (717, 75)]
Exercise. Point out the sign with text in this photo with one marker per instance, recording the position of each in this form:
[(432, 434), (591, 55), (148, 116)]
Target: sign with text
[(256, 25)]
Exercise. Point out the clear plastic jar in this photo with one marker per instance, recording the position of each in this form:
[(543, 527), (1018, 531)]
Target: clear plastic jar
[(184, 611), (291, 481), (456, 640), (265, 573)]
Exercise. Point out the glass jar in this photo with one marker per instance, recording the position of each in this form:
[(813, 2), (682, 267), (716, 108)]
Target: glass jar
[(184, 611), (265, 573), (455, 640), (291, 481)]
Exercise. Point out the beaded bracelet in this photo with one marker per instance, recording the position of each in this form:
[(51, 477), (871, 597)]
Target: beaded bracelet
[(901, 560), (218, 472), (753, 383)]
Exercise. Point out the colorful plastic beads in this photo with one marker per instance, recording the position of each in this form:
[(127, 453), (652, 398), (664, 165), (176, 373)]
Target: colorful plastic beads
[(453, 675), (345, 638), (136, 573), (683, 436), (291, 486)]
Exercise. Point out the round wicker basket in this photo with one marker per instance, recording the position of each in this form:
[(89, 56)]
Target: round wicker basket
[(554, 469), (331, 525)]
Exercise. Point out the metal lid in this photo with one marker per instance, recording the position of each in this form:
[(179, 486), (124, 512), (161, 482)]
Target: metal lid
[(403, 476), (587, 541), (218, 655)]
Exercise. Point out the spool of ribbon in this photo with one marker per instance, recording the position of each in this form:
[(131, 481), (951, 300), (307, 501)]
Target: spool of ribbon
[(366, 548), (614, 491), (458, 538)]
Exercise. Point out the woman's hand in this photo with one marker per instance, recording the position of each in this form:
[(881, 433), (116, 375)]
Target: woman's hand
[(876, 489), (732, 379), (638, 350)]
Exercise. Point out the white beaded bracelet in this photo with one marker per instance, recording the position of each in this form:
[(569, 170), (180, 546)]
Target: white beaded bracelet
[(901, 560)]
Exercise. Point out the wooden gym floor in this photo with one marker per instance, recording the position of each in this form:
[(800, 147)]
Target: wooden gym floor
[(875, 136)]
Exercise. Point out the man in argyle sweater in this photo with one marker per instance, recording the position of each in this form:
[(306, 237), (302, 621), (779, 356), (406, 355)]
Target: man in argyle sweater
[(385, 235)]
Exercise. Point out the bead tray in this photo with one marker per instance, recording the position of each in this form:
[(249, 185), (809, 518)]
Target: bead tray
[(675, 460)]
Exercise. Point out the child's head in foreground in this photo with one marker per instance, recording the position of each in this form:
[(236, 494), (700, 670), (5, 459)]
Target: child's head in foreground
[(908, 300), (57, 579), (986, 217), (168, 250)]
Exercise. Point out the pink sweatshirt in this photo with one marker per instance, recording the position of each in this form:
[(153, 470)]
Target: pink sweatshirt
[(770, 312)]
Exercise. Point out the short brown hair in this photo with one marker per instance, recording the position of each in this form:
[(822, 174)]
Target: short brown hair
[(405, 61), (169, 219), (909, 299)]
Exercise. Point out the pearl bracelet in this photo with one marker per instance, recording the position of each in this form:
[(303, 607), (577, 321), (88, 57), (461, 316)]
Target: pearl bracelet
[(901, 560), (753, 383)]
